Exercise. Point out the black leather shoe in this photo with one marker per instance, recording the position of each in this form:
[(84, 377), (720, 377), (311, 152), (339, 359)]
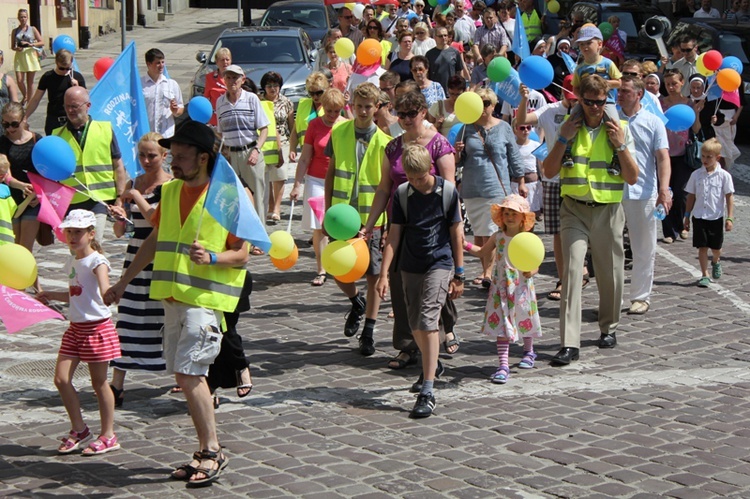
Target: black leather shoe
[(565, 356), (607, 340), (366, 344)]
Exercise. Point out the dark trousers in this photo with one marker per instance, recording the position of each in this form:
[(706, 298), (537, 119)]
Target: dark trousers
[(673, 224)]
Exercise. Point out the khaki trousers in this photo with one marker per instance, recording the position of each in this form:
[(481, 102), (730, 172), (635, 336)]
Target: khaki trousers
[(254, 177)]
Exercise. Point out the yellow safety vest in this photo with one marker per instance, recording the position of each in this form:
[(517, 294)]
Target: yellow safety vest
[(174, 275), (345, 154), (270, 147), (93, 163), (387, 46), (532, 25), (304, 116), (589, 177), (7, 209)]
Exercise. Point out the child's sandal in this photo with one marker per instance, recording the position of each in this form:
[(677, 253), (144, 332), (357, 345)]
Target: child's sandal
[(74, 440), (501, 375), (101, 445), (527, 362)]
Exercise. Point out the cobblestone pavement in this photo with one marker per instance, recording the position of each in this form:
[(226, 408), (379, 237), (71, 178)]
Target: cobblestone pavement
[(665, 414)]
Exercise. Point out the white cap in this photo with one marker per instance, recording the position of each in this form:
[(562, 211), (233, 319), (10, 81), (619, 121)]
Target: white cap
[(79, 219), (234, 68)]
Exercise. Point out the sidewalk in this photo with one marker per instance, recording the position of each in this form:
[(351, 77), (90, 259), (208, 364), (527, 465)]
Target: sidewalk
[(665, 414)]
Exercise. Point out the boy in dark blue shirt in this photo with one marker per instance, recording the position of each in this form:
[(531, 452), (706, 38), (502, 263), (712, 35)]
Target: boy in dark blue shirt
[(426, 232)]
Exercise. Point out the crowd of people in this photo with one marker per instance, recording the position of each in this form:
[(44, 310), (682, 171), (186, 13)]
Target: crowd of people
[(387, 141)]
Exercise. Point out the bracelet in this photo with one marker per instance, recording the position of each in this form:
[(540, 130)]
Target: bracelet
[(459, 270), (468, 246), (562, 140), (212, 258), (687, 214), (730, 219)]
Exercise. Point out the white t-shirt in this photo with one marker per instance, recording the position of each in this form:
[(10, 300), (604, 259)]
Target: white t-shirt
[(712, 14), (510, 28), (710, 191), (239, 122), (86, 302), (355, 79), (550, 117), (528, 160), (536, 101)]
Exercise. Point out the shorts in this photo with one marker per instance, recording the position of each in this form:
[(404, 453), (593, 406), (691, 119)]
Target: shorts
[(191, 338), (314, 188), (708, 233), (95, 341), (478, 211), (425, 295), (376, 253), (276, 174), (551, 206), (30, 213)]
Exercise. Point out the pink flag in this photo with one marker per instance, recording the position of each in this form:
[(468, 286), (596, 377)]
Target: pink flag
[(54, 199), (19, 310), (732, 97), (318, 207)]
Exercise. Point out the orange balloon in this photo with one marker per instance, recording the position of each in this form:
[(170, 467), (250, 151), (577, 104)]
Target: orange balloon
[(728, 80), (360, 266), (288, 262), (368, 52)]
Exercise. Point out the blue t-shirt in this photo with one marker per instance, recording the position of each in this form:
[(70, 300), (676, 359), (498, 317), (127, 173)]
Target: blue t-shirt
[(426, 241), (604, 68)]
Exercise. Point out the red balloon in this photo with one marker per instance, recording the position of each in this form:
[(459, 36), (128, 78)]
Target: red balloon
[(101, 66), (712, 60)]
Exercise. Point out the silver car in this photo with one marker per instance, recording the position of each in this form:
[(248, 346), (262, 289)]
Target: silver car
[(258, 50)]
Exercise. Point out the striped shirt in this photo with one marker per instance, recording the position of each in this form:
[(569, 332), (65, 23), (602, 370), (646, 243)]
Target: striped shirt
[(239, 122)]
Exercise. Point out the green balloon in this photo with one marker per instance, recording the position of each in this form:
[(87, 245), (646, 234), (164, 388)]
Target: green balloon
[(499, 69), (606, 29), (432, 2), (342, 221)]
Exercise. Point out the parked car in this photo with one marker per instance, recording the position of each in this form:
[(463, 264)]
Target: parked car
[(311, 15), (259, 49)]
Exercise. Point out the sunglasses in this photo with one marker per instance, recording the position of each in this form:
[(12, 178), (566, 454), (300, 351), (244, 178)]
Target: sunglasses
[(487, 103), (630, 73), (60, 68), (372, 27), (12, 124), (592, 102), (524, 128), (408, 114), (685, 50), (316, 93), (348, 17)]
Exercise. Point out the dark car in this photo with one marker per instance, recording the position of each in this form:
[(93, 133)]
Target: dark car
[(287, 51), (311, 15)]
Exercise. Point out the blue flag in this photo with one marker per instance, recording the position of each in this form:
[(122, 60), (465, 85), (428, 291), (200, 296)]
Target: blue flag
[(541, 152), (714, 90), (118, 98), (650, 105), (507, 89), (520, 42), (228, 203), (569, 62)]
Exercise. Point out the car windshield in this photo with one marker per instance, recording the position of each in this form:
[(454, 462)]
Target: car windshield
[(627, 24), (308, 17), (259, 49), (732, 45)]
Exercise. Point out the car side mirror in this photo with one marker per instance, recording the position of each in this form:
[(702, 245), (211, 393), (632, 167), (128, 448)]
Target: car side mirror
[(313, 55), (201, 57)]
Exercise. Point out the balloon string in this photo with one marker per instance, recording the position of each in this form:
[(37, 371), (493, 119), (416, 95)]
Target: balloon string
[(87, 193), (291, 214), (718, 103)]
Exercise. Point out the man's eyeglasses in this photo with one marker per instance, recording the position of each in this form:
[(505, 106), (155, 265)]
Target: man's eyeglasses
[(316, 93), (348, 17), (75, 108), (486, 103), (631, 73), (593, 102), (408, 114), (686, 49), (12, 124)]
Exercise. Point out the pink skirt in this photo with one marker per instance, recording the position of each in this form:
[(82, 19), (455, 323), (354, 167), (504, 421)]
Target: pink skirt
[(95, 341)]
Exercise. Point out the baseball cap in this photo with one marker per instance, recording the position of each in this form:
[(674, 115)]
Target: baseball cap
[(234, 68), (587, 33), (568, 87), (192, 133), (79, 219)]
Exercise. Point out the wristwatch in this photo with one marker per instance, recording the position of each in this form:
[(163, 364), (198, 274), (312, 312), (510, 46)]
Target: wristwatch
[(460, 278), (622, 147)]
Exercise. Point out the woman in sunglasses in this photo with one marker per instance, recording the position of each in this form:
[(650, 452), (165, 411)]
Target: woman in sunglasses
[(488, 152), (422, 41), (16, 143), (411, 110), (375, 31)]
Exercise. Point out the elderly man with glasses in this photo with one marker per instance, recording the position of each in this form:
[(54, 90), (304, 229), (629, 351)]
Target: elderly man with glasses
[(464, 27), (591, 212)]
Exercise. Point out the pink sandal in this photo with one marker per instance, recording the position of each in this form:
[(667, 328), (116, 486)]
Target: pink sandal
[(101, 445), (74, 440)]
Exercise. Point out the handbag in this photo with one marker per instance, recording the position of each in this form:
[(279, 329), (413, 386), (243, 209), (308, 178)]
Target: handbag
[(693, 150)]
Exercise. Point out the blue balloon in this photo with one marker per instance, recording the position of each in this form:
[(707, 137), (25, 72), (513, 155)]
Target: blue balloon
[(64, 42), (453, 133), (536, 72), (199, 109), (443, 2), (732, 62), (411, 15), (53, 158), (680, 117)]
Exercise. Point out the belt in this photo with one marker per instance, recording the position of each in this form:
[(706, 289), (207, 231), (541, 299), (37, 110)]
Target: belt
[(590, 204), (243, 148), (531, 177)]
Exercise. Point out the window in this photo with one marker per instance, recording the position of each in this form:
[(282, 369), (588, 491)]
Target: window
[(65, 10), (102, 4)]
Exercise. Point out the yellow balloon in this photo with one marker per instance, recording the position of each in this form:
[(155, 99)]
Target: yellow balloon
[(17, 266), (282, 244), (526, 251), (339, 257), (344, 47), (349, 5), (553, 7), (701, 68), (468, 107)]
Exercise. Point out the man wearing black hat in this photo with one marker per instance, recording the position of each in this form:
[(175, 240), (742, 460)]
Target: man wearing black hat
[(198, 275)]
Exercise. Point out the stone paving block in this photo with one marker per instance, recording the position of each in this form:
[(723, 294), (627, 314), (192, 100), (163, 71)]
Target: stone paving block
[(614, 489)]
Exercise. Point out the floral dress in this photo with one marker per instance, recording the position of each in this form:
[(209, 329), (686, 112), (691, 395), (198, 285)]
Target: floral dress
[(511, 310)]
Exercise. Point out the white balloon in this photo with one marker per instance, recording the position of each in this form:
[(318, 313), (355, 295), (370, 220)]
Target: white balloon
[(358, 10)]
